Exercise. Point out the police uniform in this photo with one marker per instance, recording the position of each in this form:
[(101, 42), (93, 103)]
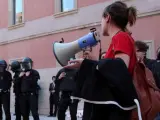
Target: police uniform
[(5, 85), (29, 92), (67, 86), (16, 69), (16, 87), (1, 113), (52, 99)]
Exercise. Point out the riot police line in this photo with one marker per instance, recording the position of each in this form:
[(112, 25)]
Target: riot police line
[(26, 88)]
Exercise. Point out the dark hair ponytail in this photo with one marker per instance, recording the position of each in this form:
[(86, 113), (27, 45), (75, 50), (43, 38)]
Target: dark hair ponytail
[(120, 14), (132, 15)]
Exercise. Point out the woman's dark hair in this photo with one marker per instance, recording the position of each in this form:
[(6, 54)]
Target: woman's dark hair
[(120, 14), (141, 46)]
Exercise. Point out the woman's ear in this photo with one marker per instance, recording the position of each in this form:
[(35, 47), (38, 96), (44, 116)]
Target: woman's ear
[(108, 18)]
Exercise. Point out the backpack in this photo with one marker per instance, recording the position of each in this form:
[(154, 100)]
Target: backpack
[(148, 93)]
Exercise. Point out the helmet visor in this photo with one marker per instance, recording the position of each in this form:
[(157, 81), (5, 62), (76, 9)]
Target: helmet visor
[(26, 66), (2, 68)]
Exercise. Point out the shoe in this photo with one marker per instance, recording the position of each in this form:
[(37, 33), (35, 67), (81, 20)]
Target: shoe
[(50, 115)]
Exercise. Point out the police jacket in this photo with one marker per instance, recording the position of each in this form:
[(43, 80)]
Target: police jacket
[(17, 83), (30, 83), (57, 81), (5, 81), (105, 82), (51, 87), (149, 63), (68, 82), (154, 66)]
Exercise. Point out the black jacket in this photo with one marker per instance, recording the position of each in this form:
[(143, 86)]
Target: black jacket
[(156, 72), (103, 81), (149, 63), (51, 87), (17, 83), (30, 83), (5, 80), (154, 66), (68, 82), (57, 81)]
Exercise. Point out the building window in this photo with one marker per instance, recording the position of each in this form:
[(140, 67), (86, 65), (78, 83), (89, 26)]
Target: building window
[(16, 12), (151, 50), (67, 5)]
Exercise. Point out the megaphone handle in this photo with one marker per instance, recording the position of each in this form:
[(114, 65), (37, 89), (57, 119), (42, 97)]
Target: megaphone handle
[(100, 50), (93, 29), (62, 40)]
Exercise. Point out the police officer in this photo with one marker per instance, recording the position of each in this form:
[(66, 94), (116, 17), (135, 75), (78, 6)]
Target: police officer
[(29, 95), (66, 77), (1, 112), (5, 85), (53, 98), (16, 69)]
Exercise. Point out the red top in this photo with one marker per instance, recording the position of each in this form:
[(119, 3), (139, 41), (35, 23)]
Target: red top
[(124, 43)]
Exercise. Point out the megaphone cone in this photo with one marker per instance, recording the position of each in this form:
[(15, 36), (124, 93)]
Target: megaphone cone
[(64, 51)]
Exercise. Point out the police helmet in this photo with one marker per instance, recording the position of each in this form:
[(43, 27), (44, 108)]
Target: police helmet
[(3, 65), (15, 66), (27, 64)]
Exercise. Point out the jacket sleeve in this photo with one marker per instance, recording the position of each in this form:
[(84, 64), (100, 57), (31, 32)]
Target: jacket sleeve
[(76, 75), (58, 74), (36, 73), (58, 81), (35, 77), (50, 88), (10, 79)]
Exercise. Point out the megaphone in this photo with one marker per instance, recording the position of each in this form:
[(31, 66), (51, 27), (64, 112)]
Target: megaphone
[(63, 52)]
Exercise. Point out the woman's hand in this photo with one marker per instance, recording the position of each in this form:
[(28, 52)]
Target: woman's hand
[(62, 75), (74, 63), (28, 73), (22, 74)]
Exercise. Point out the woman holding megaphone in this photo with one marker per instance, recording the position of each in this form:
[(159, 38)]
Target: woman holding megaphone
[(115, 19)]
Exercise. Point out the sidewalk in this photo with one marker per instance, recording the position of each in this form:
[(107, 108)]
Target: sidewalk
[(42, 118)]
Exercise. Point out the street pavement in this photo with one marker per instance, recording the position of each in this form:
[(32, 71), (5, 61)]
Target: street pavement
[(42, 118)]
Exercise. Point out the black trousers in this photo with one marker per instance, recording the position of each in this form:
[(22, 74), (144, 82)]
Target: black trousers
[(1, 112), (17, 107), (53, 100), (5, 102), (66, 102), (29, 102), (109, 112)]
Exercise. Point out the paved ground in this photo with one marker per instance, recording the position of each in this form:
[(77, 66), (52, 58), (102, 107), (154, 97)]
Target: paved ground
[(44, 118)]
